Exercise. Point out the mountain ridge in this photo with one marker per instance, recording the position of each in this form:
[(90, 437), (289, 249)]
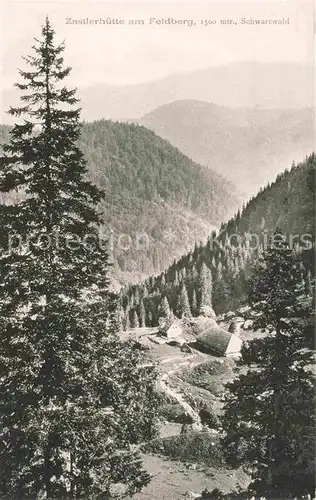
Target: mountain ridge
[(232, 141), (240, 84)]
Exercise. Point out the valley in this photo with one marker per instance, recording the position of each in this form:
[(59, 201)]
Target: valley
[(157, 202), (172, 478), (227, 266), (249, 146)]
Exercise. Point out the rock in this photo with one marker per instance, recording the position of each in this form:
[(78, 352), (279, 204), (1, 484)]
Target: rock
[(192, 466), (230, 315), (248, 324), (157, 340), (118, 489), (232, 327), (207, 312), (243, 310), (185, 348), (191, 494), (175, 342)]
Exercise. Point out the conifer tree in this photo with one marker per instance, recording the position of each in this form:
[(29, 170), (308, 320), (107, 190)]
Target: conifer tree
[(127, 319), (220, 291), (194, 274), (131, 301), (176, 280), (142, 314), (183, 305), (204, 288), (120, 317), (164, 308), (308, 284), (269, 411), (135, 319), (66, 420), (194, 303), (150, 319), (136, 296), (145, 290)]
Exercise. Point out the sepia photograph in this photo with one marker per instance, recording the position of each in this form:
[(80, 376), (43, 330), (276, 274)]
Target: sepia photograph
[(157, 250)]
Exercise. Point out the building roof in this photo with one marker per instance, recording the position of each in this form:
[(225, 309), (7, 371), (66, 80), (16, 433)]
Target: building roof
[(198, 325), (214, 339)]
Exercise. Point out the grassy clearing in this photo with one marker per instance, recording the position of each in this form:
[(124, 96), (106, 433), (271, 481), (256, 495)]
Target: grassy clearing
[(171, 479)]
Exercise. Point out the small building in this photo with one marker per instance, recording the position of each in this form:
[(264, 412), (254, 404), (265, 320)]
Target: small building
[(171, 328), (219, 342), (201, 333)]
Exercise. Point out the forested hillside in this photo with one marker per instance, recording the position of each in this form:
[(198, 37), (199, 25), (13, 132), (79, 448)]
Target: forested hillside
[(157, 201), (221, 268)]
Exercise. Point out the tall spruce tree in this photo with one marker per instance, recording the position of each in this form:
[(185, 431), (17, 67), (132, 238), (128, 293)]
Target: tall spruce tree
[(183, 305), (135, 320), (220, 291), (269, 410), (204, 288), (308, 284), (73, 396), (142, 314), (194, 304), (164, 308), (127, 319)]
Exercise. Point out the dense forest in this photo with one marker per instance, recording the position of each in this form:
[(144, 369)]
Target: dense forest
[(154, 195), (219, 271)]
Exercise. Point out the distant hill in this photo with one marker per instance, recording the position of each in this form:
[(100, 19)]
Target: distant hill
[(288, 203), (243, 84), (157, 202), (248, 146)]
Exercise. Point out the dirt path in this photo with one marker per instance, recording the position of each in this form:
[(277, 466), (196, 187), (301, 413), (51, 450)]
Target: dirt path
[(164, 385)]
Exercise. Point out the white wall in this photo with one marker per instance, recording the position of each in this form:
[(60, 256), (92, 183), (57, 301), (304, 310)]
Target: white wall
[(234, 346)]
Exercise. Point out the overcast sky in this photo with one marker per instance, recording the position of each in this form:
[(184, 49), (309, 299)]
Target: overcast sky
[(128, 54)]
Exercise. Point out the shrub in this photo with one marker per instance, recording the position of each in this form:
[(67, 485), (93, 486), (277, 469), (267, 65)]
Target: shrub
[(210, 376), (189, 447), (209, 418), (175, 413), (217, 494)]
